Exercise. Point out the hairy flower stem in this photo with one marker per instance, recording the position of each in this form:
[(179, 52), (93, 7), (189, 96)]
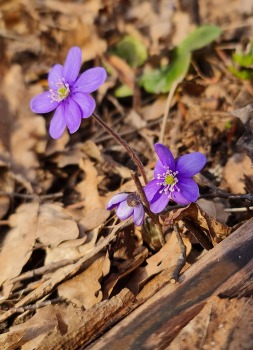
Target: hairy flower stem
[(122, 142), (152, 216)]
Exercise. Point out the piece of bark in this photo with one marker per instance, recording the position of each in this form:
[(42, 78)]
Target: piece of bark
[(83, 329), (156, 323), (221, 324)]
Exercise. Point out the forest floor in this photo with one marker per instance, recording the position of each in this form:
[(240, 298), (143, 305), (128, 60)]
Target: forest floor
[(70, 270)]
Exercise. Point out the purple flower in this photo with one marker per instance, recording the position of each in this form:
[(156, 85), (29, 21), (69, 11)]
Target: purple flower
[(173, 179), (69, 95), (128, 204)]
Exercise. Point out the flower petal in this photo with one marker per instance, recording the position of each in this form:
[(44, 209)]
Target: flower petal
[(124, 211), (138, 215), (115, 200), (86, 103), (159, 202), (55, 76), (159, 168), (90, 80), (190, 164), (72, 64), (151, 189), (73, 115), (189, 191), (58, 123), (42, 103), (165, 156)]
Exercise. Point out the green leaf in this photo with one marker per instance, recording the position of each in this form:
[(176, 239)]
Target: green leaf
[(123, 91), (199, 38), (244, 60), (161, 80), (132, 51), (244, 74)]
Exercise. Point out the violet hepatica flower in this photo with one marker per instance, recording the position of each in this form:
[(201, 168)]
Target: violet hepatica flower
[(69, 94), (128, 204), (173, 179)]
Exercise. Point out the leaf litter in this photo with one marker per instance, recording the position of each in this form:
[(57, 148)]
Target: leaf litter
[(65, 261)]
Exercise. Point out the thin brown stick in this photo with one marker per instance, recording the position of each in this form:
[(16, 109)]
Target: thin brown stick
[(122, 142), (216, 192), (181, 258), (167, 108), (38, 305), (31, 196)]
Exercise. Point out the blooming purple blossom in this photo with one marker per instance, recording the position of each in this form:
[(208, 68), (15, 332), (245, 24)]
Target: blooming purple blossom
[(69, 95), (128, 204), (173, 179)]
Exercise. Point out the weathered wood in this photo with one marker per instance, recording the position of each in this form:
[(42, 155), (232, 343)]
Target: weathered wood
[(155, 323)]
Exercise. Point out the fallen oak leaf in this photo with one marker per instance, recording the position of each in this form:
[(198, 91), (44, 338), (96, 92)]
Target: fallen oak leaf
[(89, 228), (58, 276), (7, 184), (245, 114), (84, 290), (125, 269), (166, 258), (37, 327), (19, 242), (54, 226), (212, 231), (88, 188)]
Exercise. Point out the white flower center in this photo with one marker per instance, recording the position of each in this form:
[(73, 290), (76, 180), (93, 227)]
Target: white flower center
[(62, 91), (169, 181)]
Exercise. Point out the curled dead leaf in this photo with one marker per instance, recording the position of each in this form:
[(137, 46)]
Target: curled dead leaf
[(211, 229)]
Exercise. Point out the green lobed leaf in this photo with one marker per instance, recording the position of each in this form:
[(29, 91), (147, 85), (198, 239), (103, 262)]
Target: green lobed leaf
[(123, 91), (244, 74), (199, 38), (132, 50), (160, 80), (244, 60)]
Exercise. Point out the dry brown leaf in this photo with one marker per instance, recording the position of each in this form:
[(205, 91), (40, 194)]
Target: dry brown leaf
[(17, 246), (58, 145), (92, 151), (61, 274), (88, 10), (94, 219), (125, 72), (156, 17), (68, 157), (72, 249), (77, 327), (85, 289), (135, 120), (28, 136), (233, 173), (154, 110), (125, 269), (214, 208), (212, 229), (246, 140), (88, 188), (32, 331), (6, 185), (54, 226), (166, 258)]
